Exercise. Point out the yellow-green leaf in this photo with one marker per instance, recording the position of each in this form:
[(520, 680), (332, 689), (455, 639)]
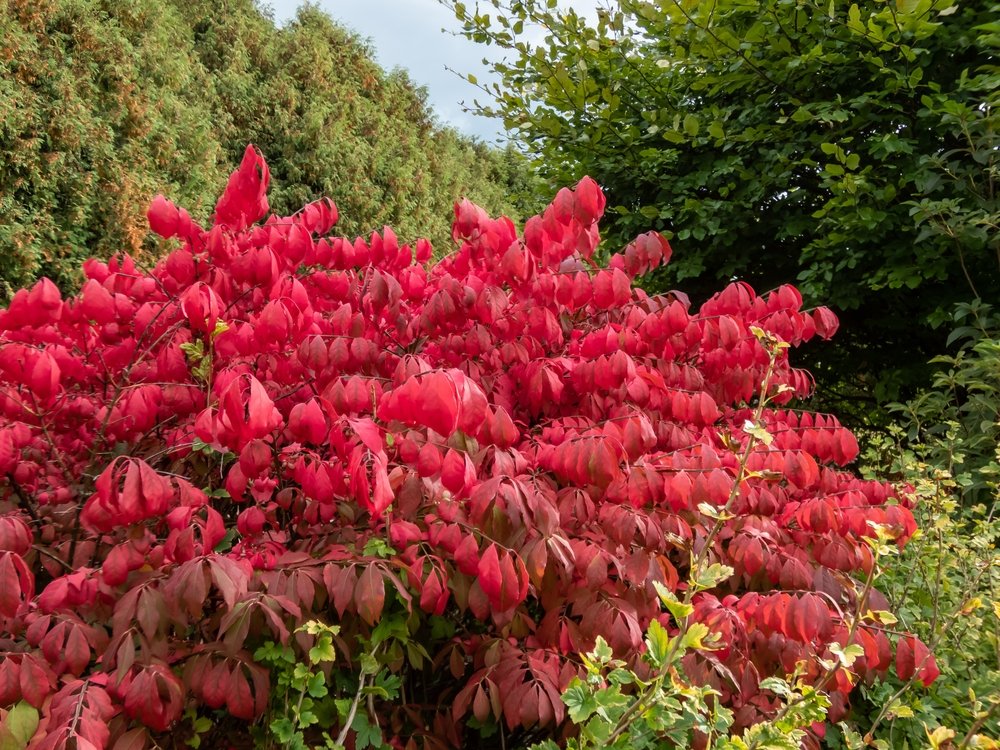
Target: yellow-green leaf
[(18, 726)]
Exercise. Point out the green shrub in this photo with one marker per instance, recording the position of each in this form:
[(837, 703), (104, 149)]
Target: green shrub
[(955, 425), (946, 585), (104, 103)]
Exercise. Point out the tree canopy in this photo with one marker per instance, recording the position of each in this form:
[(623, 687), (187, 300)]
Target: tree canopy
[(104, 103), (850, 147)]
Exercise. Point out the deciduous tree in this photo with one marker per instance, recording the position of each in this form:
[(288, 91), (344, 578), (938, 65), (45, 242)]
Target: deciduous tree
[(849, 146)]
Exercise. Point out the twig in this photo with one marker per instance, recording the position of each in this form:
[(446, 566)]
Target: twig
[(624, 721), (977, 725), (42, 551), (23, 500)]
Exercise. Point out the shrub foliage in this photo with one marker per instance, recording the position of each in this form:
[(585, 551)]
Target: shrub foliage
[(502, 454), (945, 584)]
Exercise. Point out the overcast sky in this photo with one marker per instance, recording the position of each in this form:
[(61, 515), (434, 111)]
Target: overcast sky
[(408, 34)]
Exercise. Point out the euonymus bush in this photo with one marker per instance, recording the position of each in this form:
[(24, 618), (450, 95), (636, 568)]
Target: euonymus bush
[(281, 454)]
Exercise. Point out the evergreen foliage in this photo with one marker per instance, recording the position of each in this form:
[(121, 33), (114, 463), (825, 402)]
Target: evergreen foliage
[(104, 103)]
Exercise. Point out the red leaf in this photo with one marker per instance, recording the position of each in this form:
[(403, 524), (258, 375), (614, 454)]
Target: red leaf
[(429, 460), (154, 697), (96, 303), (262, 417), (430, 399), (369, 432), (472, 404), (255, 458), (434, 594), (229, 577), (340, 583), (481, 705), (201, 307), (503, 578), (10, 681), (466, 556), (215, 686), (35, 680), (134, 739), (251, 521), (826, 322), (456, 471), (77, 652), (307, 422), (239, 700), (382, 494), (163, 216), (913, 658), (590, 201), (244, 200), (504, 432), (905, 666), (489, 574), (187, 587), (17, 584), (156, 491), (369, 595)]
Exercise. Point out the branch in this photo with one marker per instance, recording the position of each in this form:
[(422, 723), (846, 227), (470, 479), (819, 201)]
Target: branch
[(342, 737)]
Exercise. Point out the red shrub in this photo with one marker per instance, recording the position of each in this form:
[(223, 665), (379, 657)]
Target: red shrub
[(194, 459)]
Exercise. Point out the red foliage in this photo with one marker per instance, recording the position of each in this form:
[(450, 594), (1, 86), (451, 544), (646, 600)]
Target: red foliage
[(531, 433)]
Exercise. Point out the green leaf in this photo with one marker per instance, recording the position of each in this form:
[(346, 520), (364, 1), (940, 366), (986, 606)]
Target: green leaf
[(220, 328), (657, 644), (777, 686), (390, 628), (307, 718), (378, 547), (694, 637), (677, 608), (316, 686), (323, 651), (691, 125), (854, 19), (367, 734), (283, 729), (226, 543), (846, 656), (369, 664), (621, 676), (579, 701), (18, 727), (713, 575), (602, 652), (343, 706), (758, 432)]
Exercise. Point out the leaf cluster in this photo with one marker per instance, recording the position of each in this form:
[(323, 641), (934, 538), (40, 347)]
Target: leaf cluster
[(282, 453), (946, 447), (104, 103), (850, 146)]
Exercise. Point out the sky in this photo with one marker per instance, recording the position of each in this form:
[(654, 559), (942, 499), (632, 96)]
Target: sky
[(408, 34)]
